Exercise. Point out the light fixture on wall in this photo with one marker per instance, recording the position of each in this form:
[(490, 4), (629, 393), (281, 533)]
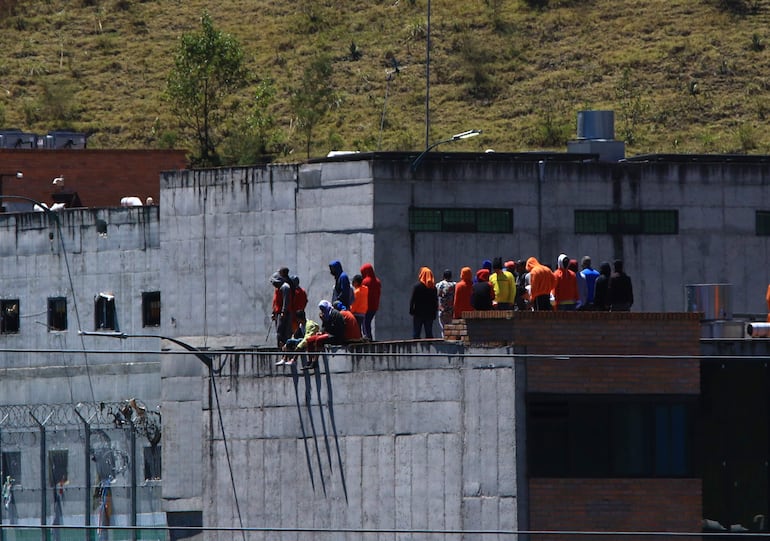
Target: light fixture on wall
[(17, 174)]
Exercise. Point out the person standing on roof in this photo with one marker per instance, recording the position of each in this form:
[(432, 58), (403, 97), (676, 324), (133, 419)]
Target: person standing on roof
[(620, 290), (342, 292), (504, 285), (282, 298), (463, 293), (374, 287), (423, 305), (541, 282), (445, 290), (565, 288), (360, 301), (589, 275)]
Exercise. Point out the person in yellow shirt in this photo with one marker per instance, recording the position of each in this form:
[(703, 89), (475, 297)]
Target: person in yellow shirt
[(505, 285), (360, 301)]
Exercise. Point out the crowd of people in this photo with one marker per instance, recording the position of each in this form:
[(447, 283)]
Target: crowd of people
[(512, 285), (346, 318), (519, 285)]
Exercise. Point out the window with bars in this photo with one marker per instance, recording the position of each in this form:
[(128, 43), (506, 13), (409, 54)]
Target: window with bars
[(152, 463), (57, 313), (763, 223), (627, 222), (11, 467), (151, 309), (9, 316), (605, 436), (460, 220), (105, 317), (58, 467)]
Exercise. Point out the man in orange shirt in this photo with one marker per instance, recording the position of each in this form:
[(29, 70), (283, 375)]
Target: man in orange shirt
[(541, 282), (360, 301), (565, 289)]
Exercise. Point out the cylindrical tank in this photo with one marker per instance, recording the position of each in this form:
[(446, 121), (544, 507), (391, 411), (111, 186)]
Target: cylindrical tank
[(758, 330), (596, 125), (715, 301)]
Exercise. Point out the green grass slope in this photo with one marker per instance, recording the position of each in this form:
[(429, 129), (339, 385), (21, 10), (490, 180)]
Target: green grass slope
[(681, 75)]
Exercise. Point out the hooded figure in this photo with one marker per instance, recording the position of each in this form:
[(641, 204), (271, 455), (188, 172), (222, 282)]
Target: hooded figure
[(565, 289), (601, 288), (333, 324), (342, 290), (620, 290), (463, 292), (282, 304), (482, 292), (423, 305), (374, 286), (541, 282)]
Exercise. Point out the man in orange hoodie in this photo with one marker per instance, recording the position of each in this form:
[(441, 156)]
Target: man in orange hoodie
[(463, 292), (541, 282)]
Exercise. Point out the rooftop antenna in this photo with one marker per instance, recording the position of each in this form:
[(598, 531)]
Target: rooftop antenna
[(389, 75)]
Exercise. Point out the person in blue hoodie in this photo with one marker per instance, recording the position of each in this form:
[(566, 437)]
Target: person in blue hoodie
[(342, 290)]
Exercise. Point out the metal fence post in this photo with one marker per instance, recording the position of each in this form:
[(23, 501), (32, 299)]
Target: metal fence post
[(3, 474), (87, 458), (43, 475), (133, 477)]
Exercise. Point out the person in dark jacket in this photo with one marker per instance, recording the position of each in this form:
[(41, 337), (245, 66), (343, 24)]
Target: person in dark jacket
[(601, 286), (620, 291), (423, 304), (483, 292), (342, 291)]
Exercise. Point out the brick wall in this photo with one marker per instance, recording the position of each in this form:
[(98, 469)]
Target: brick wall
[(622, 505), (100, 177), (603, 339), (607, 353)]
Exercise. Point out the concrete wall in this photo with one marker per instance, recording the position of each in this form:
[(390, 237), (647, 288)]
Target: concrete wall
[(303, 216), (399, 436), (42, 258)]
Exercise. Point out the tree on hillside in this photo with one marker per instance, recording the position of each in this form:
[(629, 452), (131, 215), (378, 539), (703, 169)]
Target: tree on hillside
[(313, 97), (254, 136), (208, 69)]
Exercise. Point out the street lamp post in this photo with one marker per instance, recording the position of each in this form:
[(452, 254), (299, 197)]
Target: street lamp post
[(17, 174), (456, 137)]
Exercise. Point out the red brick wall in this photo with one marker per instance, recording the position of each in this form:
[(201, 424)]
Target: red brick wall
[(623, 505), (100, 177), (604, 338), (605, 341)]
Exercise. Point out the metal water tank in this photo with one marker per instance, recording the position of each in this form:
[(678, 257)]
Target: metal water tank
[(596, 125), (715, 301)]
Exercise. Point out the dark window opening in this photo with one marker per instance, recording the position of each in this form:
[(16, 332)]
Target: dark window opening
[(57, 314), (104, 312), (460, 220), (9, 316), (152, 463), (627, 222), (762, 223), (58, 464), (11, 467), (605, 436), (151, 309)]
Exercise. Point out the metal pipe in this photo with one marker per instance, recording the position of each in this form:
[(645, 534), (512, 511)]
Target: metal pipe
[(758, 330)]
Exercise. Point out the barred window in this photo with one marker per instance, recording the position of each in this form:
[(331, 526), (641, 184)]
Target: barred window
[(460, 220), (763, 223), (627, 222), (151, 309), (57, 313)]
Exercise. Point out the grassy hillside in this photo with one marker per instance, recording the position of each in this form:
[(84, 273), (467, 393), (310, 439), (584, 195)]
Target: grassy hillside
[(681, 75)]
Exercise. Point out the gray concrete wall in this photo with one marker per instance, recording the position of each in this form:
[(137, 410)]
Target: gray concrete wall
[(224, 231), (409, 437), (36, 267)]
